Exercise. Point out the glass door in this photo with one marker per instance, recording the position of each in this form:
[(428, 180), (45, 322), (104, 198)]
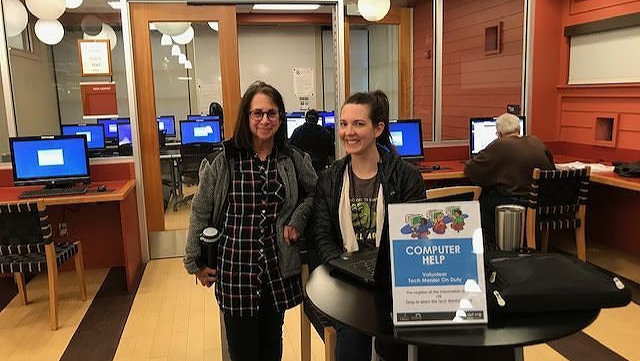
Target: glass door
[(186, 70)]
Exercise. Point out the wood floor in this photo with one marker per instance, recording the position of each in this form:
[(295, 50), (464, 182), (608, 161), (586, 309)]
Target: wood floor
[(172, 318)]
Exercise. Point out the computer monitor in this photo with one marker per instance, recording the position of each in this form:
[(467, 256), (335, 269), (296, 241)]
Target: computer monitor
[(406, 136), (93, 132), (168, 124), (293, 121), (124, 134), (483, 131), (111, 126), (202, 117), (206, 131), (328, 119), (53, 160)]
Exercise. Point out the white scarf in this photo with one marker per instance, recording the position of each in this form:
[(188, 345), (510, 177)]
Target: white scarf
[(344, 216)]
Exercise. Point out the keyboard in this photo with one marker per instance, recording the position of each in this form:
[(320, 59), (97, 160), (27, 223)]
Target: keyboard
[(53, 192), (368, 265)]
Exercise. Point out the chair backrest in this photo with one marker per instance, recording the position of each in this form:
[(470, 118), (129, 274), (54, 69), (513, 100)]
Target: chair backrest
[(24, 227), (559, 192), (192, 154), (452, 194)]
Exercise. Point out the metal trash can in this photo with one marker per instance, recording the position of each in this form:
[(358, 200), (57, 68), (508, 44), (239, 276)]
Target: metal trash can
[(510, 227)]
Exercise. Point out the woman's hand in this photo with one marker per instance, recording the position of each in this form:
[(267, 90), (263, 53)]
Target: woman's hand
[(290, 234), (207, 276)]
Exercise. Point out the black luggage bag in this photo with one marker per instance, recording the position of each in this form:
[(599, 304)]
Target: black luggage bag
[(540, 282)]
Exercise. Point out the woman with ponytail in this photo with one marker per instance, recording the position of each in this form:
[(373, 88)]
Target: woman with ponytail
[(351, 199)]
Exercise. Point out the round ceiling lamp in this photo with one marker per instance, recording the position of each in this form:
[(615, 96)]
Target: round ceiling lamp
[(16, 17), (172, 28), (91, 25), (73, 4), (374, 10), (106, 33), (49, 31), (46, 9), (182, 59), (184, 38), (213, 25), (175, 50), (165, 40)]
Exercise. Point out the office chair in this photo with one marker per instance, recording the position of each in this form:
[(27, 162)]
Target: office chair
[(191, 155), (452, 194), (26, 247), (558, 200)]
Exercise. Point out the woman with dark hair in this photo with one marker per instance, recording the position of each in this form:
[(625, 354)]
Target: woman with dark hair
[(351, 198), (251, 191)]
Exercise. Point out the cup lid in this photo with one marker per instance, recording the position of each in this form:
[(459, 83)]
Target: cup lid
[(210, 232)]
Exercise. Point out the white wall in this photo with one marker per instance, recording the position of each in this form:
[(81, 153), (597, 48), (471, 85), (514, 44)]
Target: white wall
[(269, 53), (34, 96), (68, 76), (172, 93), (383, 63), (4, 134), (359, 63), (206, 68)]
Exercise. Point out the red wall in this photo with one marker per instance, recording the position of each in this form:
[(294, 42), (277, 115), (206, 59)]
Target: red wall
[(567, 114), (476, 83), (423, 66)]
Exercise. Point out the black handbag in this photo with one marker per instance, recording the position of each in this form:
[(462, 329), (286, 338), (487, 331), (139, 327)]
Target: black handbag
[(631, 170), (539, 282)]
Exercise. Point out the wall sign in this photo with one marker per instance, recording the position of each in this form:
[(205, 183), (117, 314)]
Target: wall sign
[(94, 57)]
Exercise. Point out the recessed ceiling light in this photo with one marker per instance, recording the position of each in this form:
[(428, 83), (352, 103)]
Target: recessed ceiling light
[(184, 78), (115, 4), (285, 6)]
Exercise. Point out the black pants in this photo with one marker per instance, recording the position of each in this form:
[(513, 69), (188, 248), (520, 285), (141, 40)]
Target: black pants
[(352, 345), (489, 200), (256, 338)]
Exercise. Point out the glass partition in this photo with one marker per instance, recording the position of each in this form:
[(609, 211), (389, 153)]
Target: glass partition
[(50, 87)]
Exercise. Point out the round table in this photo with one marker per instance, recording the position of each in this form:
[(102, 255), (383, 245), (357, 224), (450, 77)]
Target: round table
[(368, 309)]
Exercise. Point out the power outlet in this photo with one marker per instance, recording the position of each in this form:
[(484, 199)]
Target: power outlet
[(62, 229)]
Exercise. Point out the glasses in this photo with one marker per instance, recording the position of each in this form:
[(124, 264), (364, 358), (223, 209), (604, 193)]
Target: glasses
[(258, 114)]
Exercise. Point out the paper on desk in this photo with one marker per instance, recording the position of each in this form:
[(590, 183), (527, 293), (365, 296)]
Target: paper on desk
[(595, 167)]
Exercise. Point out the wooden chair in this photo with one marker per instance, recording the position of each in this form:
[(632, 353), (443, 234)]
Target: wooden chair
[(26, 247), (558, 200), (310, 315), (457, 193)]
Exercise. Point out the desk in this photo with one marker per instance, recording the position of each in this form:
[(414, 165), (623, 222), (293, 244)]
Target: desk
[(176, 194), (361, 308), (92, 222)]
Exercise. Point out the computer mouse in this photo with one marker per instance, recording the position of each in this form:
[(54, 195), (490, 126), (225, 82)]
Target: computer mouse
[(435, 167), (102, 188)]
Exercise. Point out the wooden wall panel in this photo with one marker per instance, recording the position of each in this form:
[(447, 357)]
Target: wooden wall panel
[(471, 78), (423, 66)]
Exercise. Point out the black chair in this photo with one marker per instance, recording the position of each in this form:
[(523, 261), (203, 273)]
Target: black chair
[(26, 247), (191, 155), (558, 200)]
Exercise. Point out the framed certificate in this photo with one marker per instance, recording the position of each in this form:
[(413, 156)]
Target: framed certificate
[(94, 57)]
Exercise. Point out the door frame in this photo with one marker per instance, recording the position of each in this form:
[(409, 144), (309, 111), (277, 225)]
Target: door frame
[(141, 15)]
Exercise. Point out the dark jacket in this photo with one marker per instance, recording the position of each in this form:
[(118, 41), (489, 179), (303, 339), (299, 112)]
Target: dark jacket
[(401, 182), (315, 140)]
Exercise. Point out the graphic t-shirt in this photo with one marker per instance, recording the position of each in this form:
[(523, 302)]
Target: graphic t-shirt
[(363, 194)]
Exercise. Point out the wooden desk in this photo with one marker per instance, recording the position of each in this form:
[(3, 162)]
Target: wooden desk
[(91, 218), (452, 169)]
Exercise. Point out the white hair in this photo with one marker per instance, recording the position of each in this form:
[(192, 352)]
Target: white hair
[(508, 124)]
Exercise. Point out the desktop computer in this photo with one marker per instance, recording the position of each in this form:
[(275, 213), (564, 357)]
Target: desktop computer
[(201, 131), (57, 161), (293, 122), (167, 123), (111, 128), (482, 131), (328, 119), (406, 136), (202, 117), (93, 132)]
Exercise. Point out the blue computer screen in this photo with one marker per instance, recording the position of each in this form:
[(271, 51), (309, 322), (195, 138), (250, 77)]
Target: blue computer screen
[(93, 132), (202, 117), (167, 123), (328, 119), (407, 137), (49, 157), (200, 131), (111, 126), (124, 133)]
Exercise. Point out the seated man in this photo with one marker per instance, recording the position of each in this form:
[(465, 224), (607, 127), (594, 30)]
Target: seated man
[(315, 140), (503, 169)]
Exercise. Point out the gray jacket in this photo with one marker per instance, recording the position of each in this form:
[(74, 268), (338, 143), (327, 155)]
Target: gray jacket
[(208, 202)]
